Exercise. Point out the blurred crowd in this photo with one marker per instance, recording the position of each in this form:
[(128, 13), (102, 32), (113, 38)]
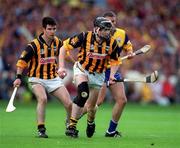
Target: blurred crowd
[(145, 21)]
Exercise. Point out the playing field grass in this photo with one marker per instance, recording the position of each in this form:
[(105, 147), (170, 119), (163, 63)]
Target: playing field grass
[(148, 126)]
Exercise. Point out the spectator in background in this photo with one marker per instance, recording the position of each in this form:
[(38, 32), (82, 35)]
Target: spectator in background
[(168, 90), (177, 87), (146, 94), (157, 94)]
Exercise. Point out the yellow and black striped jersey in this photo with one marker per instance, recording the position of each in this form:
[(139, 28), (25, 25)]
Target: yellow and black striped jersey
[(93, 56), (41, 59)]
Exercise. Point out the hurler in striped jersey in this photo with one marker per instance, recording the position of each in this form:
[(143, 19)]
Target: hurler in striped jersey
[(96, 49), (40, 58)]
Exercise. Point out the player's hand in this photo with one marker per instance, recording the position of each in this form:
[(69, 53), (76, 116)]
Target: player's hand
[(112, 80), (130, 54), (62, 73), (17, 82)]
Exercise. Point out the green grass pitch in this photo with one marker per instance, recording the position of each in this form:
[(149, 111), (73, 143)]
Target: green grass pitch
[(148, 126)]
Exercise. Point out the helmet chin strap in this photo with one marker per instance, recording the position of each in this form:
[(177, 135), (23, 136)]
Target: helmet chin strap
[(96, 31), (103, 38)]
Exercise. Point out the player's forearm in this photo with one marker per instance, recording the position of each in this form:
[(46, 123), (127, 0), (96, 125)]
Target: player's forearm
[(19, 72), (62, 57)]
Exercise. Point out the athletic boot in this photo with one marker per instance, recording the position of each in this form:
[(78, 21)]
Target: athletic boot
[(72, 132), (66, 123), (90, 129), (113, 134), (42, 132)]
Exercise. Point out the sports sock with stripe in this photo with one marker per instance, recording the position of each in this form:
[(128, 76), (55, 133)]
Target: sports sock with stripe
[(112, 126)]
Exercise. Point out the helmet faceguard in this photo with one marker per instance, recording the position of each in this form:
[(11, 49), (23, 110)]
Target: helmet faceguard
[(102, 24)]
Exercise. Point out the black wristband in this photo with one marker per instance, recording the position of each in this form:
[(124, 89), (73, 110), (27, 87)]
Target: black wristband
[(18, 76)]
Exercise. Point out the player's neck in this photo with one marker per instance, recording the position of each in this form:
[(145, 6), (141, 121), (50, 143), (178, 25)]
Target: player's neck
[(47, 39), (98, 40)]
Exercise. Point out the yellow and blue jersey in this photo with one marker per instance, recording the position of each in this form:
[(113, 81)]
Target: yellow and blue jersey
[(122, 39), (124, 45)]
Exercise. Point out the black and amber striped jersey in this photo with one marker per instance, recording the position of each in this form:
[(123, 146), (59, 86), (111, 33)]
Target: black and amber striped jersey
[(92, 55), (41, 59)]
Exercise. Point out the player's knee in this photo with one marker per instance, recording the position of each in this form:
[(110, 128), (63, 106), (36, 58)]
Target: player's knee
[(42, 100), (83, 94), (122, 100)]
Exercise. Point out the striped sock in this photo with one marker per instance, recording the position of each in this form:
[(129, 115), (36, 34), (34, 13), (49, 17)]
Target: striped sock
[(73, 122), (90, 122)]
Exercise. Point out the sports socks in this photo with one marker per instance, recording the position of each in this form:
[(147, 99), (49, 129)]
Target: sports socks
[(90, 122), (112, 126), (40, 126), (73, 122)]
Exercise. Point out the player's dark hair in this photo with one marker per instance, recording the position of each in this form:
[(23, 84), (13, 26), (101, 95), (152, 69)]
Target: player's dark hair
[(109, 14), (48, 21)]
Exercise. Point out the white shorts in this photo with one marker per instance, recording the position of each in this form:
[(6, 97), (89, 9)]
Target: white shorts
[(95, 80), (49, 84)]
